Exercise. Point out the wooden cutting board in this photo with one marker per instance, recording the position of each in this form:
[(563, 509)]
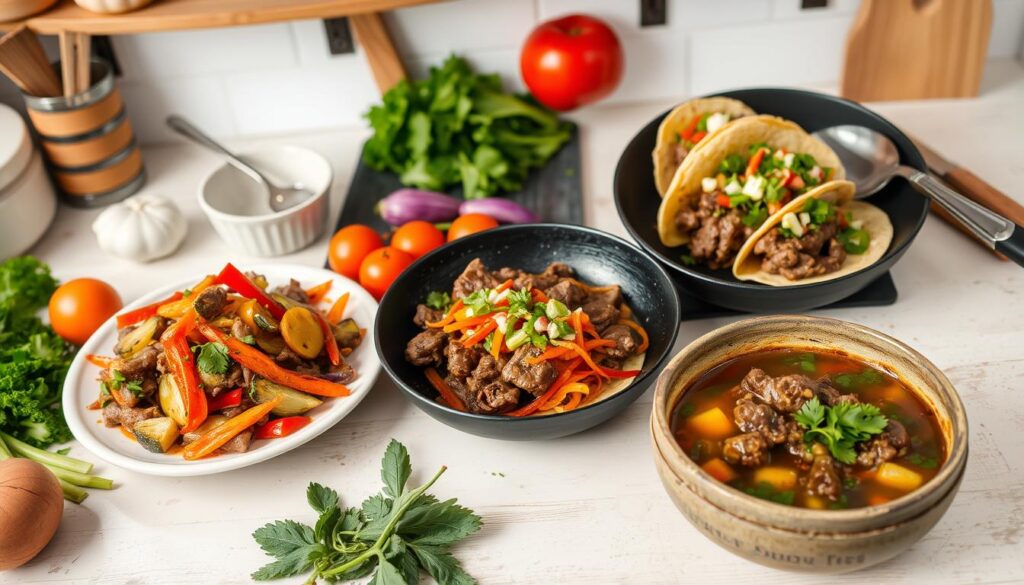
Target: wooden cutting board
[(912, 49)]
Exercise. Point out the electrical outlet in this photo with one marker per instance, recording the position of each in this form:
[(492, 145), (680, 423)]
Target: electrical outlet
[(652, 13), (809, 4), (339, 36)]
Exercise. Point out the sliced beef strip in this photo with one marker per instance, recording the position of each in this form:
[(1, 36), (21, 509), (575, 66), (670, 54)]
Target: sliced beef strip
[(602, 313), (534, 378), (241, 331), (679, 153), (239, 443), (490, 394), (343, 373), (115, 414), (748, 449), (473, 278), (425, 314), (294, 291), (784, 393), (140, 365), (567, 292), (210, 302), (461, 360), (715, 235), (427, 348), (815, 253), (625, 341), (892, 443), (753, 417), (823, 479), (831, 395), (553, 273)]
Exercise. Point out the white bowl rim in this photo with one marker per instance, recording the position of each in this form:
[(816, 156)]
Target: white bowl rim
[(84, 430), (266, 217)]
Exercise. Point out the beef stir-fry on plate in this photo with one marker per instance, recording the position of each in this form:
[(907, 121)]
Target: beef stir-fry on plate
[(517, 343)]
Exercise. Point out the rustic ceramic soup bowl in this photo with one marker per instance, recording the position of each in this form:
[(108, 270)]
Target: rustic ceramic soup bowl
[(801, 539)]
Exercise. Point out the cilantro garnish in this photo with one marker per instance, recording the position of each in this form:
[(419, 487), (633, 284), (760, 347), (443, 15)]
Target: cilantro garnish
[(392, 535), (767, 491), (213, 358), (439, 300), (840, 427)]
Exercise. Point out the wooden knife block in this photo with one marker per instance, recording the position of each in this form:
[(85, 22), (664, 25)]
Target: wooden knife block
[(912, 49)]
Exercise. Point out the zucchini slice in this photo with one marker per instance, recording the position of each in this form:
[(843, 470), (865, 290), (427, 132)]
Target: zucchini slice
[(156, 434), (294, 402), (137, 339), (170, 400)]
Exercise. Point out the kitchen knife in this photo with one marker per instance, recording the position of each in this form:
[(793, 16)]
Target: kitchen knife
[(972, 187)]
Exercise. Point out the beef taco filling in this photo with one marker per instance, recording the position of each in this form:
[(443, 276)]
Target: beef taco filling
[(744, 192), (518, 343), (812, 241)]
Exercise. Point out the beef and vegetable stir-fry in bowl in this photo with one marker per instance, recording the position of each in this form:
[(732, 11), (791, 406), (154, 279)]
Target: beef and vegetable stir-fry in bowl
[(215, 367), (516, 343), (810, 429)]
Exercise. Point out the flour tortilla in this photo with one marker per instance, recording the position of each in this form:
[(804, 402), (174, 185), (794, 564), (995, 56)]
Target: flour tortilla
[(665, 166), (876, 223), (733, 138)]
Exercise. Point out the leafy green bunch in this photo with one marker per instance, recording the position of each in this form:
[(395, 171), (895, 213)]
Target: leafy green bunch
[(840, 427), (392, 535), (33, 359), (458, 127)]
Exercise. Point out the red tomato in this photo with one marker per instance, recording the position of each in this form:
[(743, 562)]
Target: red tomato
[(417, 238), (571, 61), (381, 267), (470, 223), (78, 308), (349, 246)]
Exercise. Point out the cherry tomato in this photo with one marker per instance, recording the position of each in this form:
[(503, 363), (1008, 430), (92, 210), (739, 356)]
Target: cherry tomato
[(571, 61), (78, 308), (470, 223), (349, 246), (381, 267), (417, 238)]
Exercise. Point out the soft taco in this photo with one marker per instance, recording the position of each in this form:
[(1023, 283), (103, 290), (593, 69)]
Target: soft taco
[(733, 181), (684, 127), (821, 235)]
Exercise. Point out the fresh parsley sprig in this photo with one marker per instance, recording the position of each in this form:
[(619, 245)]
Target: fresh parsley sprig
[(840, 427), (393, 534)]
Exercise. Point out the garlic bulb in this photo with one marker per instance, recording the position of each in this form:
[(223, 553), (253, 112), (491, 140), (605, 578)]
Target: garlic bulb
[(141, 228)]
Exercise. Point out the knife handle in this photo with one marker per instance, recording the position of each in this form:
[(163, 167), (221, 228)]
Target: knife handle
[(976, 189)]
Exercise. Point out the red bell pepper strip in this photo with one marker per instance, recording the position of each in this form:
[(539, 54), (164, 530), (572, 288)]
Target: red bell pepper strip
[(216, 437), (224, 400), (142, 313), (179, 358), (698, 136), (723, 200), (687, 133), (281, 427), (338, 310), (319, 291), (240, 283), (755, 161), (329, 341), (538, 295), (263, 365)]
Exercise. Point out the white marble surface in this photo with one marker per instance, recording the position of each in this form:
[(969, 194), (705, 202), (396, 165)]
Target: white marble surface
[(586, 509)]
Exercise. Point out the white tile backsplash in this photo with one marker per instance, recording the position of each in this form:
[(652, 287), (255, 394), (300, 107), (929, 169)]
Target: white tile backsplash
[(278, 78)]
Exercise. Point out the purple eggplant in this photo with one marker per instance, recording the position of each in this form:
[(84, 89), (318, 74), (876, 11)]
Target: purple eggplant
[(503, 210), (405, 205)]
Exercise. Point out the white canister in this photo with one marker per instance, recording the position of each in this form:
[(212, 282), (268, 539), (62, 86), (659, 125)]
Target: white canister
[(27, 200)]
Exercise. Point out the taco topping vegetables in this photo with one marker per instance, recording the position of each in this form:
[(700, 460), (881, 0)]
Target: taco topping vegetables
[(811, 241), (740, 197)]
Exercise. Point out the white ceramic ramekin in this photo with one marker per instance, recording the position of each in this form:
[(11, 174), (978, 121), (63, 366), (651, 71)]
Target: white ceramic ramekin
[(238, 207)]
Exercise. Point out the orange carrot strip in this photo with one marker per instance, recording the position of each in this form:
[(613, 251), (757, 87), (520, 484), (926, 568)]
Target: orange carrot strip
[(449, 316), (562, 379), (583, 354), (576, 320), (599, 343), (319, 291), (442, 388), (99, 360), (480, 334), (216, 437), (499, 337), (466, 324), (338, 309), (645, 341), (549, 354)]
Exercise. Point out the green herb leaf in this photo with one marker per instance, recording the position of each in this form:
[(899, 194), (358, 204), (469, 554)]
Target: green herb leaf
[(439, 523), (283, 537), (320, 498), (213, 358), (767, 491), (854, 241), (297, 561), (840, 427), (439, 300), (395, 469), (922, 461), (441, 565), (867, 377)]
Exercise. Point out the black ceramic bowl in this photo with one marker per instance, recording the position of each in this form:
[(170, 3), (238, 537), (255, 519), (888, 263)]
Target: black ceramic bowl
[(637, 201), (597, 257)]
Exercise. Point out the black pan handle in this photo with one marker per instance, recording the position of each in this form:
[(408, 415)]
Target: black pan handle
[(1013, 246)]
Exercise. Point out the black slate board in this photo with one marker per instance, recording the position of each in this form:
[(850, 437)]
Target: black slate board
[(553, 191), (881, 292)]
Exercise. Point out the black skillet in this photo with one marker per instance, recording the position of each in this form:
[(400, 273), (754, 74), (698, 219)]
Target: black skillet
[(637, 201)]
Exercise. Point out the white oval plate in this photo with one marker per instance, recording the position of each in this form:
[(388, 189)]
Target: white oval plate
[(110, 444)]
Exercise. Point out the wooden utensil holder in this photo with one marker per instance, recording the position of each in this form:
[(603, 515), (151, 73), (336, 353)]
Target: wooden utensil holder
[(90, 147)]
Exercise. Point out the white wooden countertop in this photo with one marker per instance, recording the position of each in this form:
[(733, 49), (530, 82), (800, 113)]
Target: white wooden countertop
[(587, 509)]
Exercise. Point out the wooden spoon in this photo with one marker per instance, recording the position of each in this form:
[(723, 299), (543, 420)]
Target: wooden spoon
[(23, 60)]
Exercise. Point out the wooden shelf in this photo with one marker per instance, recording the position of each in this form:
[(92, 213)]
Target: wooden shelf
[(166, 15)]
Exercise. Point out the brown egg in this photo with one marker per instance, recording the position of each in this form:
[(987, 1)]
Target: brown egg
[(31, 503)]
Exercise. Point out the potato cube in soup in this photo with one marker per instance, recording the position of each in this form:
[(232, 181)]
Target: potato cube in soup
[(898, 477), (780, 478), (711, 424), (720, 470)]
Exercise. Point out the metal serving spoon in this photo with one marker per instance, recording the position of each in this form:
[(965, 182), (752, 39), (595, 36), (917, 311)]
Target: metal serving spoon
[(871, 160), (281, 198)]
